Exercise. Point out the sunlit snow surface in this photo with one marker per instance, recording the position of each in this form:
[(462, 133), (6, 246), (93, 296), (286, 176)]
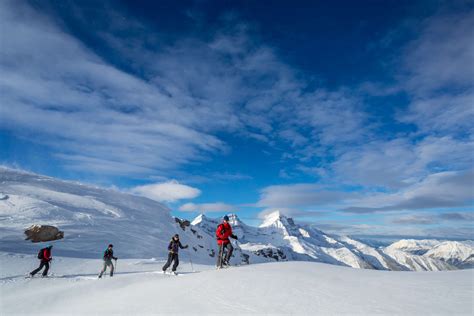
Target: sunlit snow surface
[(296, 288)]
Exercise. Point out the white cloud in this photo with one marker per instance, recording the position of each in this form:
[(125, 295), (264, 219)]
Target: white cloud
[(170, 191), (401, 162), (106, 120), (299, 195), (448, 189), (207, 207), (442, 55)]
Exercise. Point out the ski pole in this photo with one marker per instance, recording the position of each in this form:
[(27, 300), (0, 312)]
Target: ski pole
[(191, 261), (115, 268)]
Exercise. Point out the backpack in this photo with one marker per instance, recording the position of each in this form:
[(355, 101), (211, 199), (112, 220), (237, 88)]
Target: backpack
[(220, 230), (41, 254)]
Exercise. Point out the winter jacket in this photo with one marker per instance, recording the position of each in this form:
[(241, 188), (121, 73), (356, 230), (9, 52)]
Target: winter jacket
[(109, 254), (174, 244), (46, 255), (223, 232)]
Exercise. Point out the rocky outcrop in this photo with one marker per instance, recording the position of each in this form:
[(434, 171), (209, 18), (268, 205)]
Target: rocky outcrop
[(42, 233)]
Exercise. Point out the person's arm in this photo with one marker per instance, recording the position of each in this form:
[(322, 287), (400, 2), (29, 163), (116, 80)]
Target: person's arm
[(228, 232), (220, 232), (181, 246), (170, 246)]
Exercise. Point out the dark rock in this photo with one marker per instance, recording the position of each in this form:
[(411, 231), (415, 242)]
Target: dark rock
[(183, 223), (42, 233)]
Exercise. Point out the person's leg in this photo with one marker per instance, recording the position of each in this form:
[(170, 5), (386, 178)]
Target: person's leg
[(45, 272), (112, 268), (229, 252), (176, 262), (219, 256), (104, 268), (32, 273), (168, 263)]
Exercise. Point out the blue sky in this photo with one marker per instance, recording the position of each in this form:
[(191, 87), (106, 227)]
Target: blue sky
[(355, 116)]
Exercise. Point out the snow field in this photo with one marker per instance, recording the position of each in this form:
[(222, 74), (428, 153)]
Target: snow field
[(297, 288)]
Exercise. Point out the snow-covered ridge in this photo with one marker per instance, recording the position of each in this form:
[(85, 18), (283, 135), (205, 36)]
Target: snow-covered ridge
[(92, 217), (280, 238)]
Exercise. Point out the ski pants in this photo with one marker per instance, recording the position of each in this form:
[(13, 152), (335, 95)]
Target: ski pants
[(42, 264), (171, 257), (107, 263), (220, 258)]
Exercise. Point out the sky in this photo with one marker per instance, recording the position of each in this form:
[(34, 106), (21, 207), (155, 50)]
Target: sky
[(354, 116)]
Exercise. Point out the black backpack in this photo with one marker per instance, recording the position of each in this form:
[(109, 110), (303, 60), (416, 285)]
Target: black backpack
[(41, 254)]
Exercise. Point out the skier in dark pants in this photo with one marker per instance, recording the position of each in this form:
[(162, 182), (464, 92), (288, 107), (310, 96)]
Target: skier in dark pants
[(173, 248), (223, 232), (108, 256), (45, 256)]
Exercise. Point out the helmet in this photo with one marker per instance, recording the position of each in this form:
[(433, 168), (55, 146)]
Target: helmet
[(111, 246), (226, 218)]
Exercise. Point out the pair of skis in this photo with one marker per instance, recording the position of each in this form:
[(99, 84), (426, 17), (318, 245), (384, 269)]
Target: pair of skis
[(172, 273)]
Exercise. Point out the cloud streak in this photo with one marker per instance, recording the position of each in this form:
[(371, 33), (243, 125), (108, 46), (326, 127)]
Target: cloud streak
[(207, 207), (170, 191)]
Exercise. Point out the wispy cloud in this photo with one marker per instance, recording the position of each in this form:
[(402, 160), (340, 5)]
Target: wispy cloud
[(439, 190), (106, 120), (415, 220), (207, 207), (299, 195), (170, 191), (455, 216)]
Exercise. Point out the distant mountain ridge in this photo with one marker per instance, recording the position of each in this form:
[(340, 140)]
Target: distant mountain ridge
[(92, 217)]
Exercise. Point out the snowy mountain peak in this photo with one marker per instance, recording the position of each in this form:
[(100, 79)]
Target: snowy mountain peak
[(199, 219), (276, 219), (234, 220), (413, 246)]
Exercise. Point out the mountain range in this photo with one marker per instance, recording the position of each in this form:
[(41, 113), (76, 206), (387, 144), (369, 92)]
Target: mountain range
[(92, 217)]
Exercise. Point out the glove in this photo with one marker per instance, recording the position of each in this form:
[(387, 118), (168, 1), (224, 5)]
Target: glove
[(185, 246), (234, 236)]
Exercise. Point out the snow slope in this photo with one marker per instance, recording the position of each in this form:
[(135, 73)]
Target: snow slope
[(296, 288), (91, 218)]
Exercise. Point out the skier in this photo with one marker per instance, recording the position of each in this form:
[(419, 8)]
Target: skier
[(45, 256), (173, 248), (108, 256), (223, 232)]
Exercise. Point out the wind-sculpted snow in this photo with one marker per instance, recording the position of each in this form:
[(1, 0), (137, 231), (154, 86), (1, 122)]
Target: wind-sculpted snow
[(93, 217)]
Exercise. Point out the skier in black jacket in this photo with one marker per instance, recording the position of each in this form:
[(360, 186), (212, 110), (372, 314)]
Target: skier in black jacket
[(108, 256), (173, 248)]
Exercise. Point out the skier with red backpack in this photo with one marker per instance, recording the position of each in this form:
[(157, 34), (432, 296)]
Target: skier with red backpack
[(223, 232), (108, 256), (45, 256)]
